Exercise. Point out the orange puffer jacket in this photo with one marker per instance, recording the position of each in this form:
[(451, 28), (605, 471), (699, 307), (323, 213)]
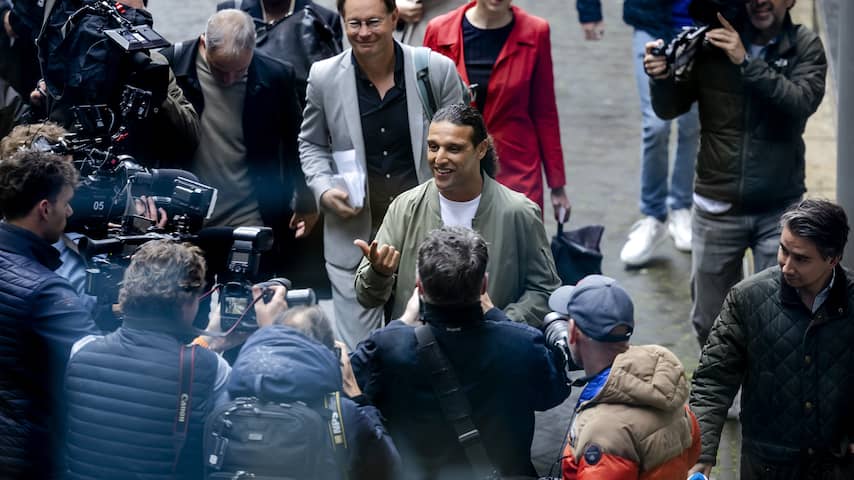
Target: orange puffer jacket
[(637, 426)]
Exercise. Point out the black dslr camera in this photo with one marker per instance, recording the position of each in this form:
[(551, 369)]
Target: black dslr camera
[(235, 297)]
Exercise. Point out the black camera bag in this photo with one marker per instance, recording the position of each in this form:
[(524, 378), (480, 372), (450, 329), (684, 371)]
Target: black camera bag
[(248, 438)]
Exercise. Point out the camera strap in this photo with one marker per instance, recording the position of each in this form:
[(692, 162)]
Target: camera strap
[(187, 359), (452, 401)]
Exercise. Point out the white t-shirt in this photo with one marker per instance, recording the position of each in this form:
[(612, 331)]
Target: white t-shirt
[(458, 213)]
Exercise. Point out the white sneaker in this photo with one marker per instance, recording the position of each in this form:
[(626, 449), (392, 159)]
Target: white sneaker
[(680, 228), (646, 234)]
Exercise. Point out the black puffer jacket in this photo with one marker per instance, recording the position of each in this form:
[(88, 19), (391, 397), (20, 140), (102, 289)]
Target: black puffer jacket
[(751, 146), (795, 368)]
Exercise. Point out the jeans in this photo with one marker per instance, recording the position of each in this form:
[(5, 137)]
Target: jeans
[(718, 243), (655, 196)]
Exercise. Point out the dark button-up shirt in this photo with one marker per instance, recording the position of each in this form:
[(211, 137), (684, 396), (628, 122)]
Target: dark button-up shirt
[(388, 146)]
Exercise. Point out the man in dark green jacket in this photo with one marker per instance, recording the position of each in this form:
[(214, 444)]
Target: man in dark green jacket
[(756, 88), (785, 336)]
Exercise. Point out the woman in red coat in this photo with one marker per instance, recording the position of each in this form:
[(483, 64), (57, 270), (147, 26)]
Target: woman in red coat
[(507, 54)]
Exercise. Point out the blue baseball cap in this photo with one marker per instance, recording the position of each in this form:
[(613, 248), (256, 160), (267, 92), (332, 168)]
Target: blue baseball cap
[(598, 304)]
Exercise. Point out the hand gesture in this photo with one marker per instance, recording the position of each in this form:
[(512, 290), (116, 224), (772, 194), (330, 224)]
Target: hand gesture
[(303, 223), (593, 30), (384, 260), (266, 313), (655, 65), (728, 40), (336, 201)]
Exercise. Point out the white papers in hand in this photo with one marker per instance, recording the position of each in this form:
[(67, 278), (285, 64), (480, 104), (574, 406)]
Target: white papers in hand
[(351, 176)]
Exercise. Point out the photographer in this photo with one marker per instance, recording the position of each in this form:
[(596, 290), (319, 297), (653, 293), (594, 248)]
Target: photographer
[(143, 380), (504, 371), (294, 360), (82, 65), (631, 421), (756, 87), (41, 316)]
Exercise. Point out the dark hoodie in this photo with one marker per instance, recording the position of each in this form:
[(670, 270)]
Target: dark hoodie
[(280, 364)]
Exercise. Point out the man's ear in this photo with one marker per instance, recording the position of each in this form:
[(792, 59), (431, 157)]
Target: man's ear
[(835, 261), (43, 207), (419, 286), (573, 332), (482, 148), (485, 285)]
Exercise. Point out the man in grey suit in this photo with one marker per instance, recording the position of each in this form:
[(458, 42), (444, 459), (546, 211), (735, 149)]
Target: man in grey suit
[(362, 143)]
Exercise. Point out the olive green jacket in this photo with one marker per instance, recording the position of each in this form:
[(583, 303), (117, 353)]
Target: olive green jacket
[(521, 270)]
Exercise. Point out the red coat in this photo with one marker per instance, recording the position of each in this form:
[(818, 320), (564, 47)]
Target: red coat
[(520, 109)]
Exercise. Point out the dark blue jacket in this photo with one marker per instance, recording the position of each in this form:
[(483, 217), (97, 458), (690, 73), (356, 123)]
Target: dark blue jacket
[(651, 16), (41, 317), (503, 367), (122, 393), (280, 364)]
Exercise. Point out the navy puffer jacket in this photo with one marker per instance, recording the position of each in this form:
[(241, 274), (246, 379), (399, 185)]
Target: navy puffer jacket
[(280, 364), (41, 317)]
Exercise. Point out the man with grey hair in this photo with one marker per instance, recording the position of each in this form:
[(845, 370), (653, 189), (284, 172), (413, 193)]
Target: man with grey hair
[(785, 337), (503, 367), (250, 118)]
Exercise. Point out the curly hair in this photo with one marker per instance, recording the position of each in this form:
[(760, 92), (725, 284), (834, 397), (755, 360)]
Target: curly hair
[(162, 277), (21, 137), (28, 177), (467, 116)]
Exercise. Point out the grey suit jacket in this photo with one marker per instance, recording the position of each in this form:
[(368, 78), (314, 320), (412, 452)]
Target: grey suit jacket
[(331, 122)]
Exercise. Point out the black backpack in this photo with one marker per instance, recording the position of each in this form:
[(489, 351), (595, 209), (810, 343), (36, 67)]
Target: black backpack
[(248, 438)]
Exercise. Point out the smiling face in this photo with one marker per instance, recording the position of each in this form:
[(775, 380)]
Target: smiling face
[(455, 161), (768, 15), (369, 26), (802, 264)]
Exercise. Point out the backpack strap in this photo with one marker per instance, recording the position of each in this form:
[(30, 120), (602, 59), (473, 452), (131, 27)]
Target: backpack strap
[(421, 59), (452, 401), (187, 359)]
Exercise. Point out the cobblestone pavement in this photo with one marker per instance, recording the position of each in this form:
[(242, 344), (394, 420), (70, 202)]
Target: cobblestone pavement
[(600, 120)]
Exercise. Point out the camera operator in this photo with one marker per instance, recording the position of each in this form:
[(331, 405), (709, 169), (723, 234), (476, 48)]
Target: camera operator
[(631, 420), (503, 367), (296, 359), (135, 377), (41, 316), (756, 87), (81, 66)]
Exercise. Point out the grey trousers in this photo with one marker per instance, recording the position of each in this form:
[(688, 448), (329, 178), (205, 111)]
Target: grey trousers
[(718, 244), (353, 322)]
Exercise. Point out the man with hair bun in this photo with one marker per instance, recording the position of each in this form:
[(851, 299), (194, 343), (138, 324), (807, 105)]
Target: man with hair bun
[(785, 337), (463, 192)]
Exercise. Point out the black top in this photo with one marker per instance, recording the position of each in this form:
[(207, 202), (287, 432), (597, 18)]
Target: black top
[(481, 50), (385, 128)]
